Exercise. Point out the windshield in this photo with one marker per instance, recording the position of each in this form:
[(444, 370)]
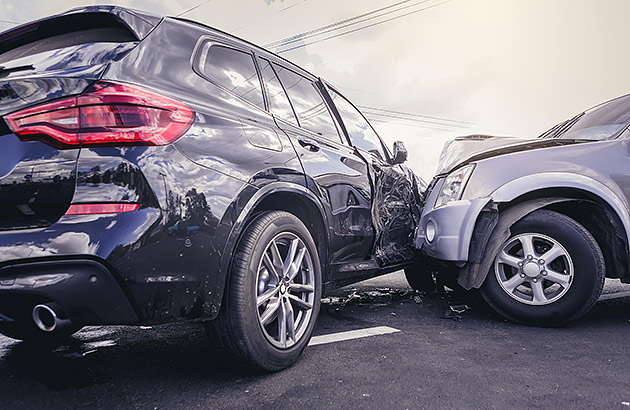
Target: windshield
[(599, 123)]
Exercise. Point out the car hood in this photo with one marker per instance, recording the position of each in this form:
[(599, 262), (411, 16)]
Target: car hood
[(463, 150)]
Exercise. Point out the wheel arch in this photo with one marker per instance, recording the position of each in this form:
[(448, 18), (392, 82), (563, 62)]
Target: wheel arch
[(570, 185), (595, 211), (292, 198)]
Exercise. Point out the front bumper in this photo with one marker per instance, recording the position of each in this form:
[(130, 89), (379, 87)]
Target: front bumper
[(454, 226)]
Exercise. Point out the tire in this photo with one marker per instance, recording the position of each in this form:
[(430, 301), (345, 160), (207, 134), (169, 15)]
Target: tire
[(559, 283), (260, 308)]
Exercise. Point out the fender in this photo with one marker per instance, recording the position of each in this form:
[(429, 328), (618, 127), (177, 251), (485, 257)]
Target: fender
[(258, 197), (239, 225), (534, 182)]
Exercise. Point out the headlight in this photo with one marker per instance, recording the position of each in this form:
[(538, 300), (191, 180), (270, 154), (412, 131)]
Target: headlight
[(453, 185)]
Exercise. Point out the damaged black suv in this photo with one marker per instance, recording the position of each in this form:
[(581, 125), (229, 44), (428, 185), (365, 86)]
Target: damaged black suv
[(155, 169)]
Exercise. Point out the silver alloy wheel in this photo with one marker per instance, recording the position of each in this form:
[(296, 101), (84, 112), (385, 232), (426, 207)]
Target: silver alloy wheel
[(534, 269), (285, 288)]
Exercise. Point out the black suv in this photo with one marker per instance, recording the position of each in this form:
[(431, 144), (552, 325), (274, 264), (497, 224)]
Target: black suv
[(155, 169)]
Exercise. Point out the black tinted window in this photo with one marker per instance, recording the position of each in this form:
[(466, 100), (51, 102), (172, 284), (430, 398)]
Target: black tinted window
[(279, 104), (311, 111), (361, 133), (233, 70)]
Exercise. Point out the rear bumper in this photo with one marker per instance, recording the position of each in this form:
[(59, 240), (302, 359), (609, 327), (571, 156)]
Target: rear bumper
[(86, 290)]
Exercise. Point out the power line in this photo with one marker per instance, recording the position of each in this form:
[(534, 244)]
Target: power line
[(194, 8), (364, 27), (413, 114), (410, 125), (317, 30), (9, 22), (418, 120), (321, 32)]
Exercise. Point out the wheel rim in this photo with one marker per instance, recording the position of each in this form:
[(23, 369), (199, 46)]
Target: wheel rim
[(285, 290), (534, 269)]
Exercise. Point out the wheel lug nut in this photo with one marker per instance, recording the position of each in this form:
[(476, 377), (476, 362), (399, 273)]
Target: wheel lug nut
[(522, 275), (541, 261), (530, 257), (544, 273), (520, 264), (534, 280)]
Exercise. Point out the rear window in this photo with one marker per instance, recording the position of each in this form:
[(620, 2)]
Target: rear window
[(233, 70), (63, 32)]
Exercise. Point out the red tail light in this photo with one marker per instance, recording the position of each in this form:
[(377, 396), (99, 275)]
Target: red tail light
[(106, 114), (91, 209)]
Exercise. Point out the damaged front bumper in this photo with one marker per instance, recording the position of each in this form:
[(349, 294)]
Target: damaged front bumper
[(445, 233)]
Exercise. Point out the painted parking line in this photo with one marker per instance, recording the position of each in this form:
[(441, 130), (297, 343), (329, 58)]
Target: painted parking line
[(352, 334), (617, 295)]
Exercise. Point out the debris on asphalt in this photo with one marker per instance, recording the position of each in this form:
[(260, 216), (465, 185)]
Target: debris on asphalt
[(454, 312), (459, 308), (373, 298)]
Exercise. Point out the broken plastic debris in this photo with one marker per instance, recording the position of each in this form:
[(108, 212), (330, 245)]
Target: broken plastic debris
[(459, 308), (417, 299), (454, 311)]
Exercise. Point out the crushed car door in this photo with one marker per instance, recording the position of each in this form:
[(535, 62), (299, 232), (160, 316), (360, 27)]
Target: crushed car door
[(396, 191), (333, 171)]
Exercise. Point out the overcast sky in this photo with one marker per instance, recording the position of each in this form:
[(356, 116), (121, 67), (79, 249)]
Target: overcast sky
[(501, 67)]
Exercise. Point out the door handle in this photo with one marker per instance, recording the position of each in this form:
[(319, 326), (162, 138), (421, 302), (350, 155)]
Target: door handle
[(311, 145)]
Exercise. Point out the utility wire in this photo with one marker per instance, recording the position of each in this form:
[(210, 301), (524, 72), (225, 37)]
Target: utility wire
[(363, 27), (417, 120), (9, 22), (194, 8), (410, 125), (322, 32), (368, 108), (329, 26)]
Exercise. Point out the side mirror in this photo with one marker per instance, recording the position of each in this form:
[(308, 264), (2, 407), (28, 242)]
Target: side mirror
[(400, 153)]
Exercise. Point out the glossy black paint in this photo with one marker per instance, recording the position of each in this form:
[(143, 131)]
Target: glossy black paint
[(171, 257)]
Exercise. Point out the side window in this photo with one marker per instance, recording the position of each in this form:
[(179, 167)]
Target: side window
[(279, 104), (234, 70), (361, 133), (309, 106)]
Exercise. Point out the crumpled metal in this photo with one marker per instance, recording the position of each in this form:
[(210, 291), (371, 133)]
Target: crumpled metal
[(396, 210)]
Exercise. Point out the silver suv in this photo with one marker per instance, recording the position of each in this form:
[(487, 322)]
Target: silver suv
[(536, 224)]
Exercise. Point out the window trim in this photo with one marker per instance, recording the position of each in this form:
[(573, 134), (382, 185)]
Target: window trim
[(200, 53), (316, 87), (266, 91), (327, 86)]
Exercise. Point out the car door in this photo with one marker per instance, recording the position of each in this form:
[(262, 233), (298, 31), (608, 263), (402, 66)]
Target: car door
[(333, 171), (396, 196)]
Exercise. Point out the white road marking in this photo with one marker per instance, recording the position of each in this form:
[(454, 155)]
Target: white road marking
[(617, 295), (351, 334)]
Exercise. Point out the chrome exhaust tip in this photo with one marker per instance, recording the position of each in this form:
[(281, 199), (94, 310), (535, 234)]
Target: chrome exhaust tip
[(49, 317)]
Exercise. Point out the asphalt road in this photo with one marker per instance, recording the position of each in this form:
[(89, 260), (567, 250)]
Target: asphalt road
[(438, 359)]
